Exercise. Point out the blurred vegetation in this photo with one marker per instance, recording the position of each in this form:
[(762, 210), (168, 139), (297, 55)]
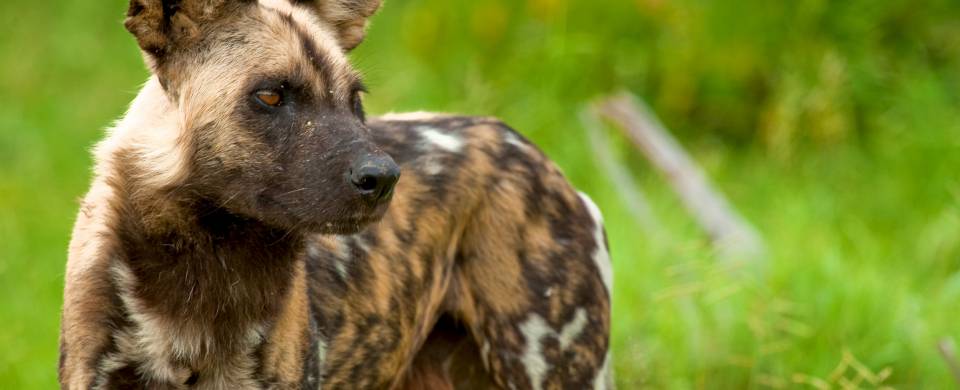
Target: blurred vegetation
[(833, 126)]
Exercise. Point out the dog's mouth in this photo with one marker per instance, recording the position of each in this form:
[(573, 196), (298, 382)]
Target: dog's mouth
[(353, 224), (352, 218)]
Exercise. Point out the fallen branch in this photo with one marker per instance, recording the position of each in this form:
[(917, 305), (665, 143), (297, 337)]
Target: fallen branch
[(618, 174), (948, 350), (731, 234)]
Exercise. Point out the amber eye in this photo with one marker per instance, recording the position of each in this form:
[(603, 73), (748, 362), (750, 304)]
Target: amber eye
[(270, 98)]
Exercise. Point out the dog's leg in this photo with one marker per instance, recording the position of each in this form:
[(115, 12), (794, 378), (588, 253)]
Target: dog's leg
[(533, 280), (449, 359)]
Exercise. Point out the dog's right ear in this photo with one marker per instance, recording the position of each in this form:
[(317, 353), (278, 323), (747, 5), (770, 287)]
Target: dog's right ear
[(347, 17), (162, 26)]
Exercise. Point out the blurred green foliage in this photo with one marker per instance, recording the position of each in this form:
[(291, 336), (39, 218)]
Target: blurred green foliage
[(833, 126)]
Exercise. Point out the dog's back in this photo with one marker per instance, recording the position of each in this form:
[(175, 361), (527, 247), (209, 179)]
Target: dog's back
[(486, 235)]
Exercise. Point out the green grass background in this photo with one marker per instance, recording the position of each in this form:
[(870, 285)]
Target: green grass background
[(833, 126)]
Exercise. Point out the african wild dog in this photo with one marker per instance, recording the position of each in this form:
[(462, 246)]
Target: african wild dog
[(237, 232)]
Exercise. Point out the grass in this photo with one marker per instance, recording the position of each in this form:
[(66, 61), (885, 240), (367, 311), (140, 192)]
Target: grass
[(833, 126)]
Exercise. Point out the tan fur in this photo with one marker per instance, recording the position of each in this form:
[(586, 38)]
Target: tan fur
[(285, 349), (486, 271), (84, 296)]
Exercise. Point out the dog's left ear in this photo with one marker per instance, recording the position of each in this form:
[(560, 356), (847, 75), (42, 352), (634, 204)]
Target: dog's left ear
[(347, 17), (164, 26)]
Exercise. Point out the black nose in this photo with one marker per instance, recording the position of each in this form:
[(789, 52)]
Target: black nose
[(375, 176)]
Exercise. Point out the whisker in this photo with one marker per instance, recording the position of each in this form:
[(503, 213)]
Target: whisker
[(290, 192), (224, 203)]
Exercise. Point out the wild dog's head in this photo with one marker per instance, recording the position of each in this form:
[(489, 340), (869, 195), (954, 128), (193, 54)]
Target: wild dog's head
[(270, 117)]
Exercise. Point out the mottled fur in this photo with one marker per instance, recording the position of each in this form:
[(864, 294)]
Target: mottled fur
[(220, 245)]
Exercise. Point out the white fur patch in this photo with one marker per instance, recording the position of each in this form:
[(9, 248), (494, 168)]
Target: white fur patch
[(342, 269), (604, 378), (448, 142), (279, 5), (534, 330), (411, 116), (601, 256), (533, 360), (313, 249), (321, 361), (572, 329), (153, 340), (432, 167), (512, 139), (343, 256), (362, 244), (153, 130)]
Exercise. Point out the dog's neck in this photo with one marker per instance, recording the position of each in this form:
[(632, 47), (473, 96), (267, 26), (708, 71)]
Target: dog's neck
[(212, 280)]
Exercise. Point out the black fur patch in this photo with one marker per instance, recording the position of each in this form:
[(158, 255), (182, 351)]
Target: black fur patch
[(309, 46)]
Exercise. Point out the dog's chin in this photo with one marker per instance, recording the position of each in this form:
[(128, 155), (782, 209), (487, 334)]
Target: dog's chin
[(350, 225), (280, 216)]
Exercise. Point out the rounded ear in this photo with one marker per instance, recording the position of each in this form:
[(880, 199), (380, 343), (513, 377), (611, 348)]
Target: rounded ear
[(161, 26), (349, 18)]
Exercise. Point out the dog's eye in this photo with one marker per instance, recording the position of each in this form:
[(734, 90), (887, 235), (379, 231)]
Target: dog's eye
[(358, 106), (270, 98)]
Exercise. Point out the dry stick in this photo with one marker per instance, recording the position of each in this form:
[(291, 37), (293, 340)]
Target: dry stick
[(621, 177), (949, 352), (732, 235)]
